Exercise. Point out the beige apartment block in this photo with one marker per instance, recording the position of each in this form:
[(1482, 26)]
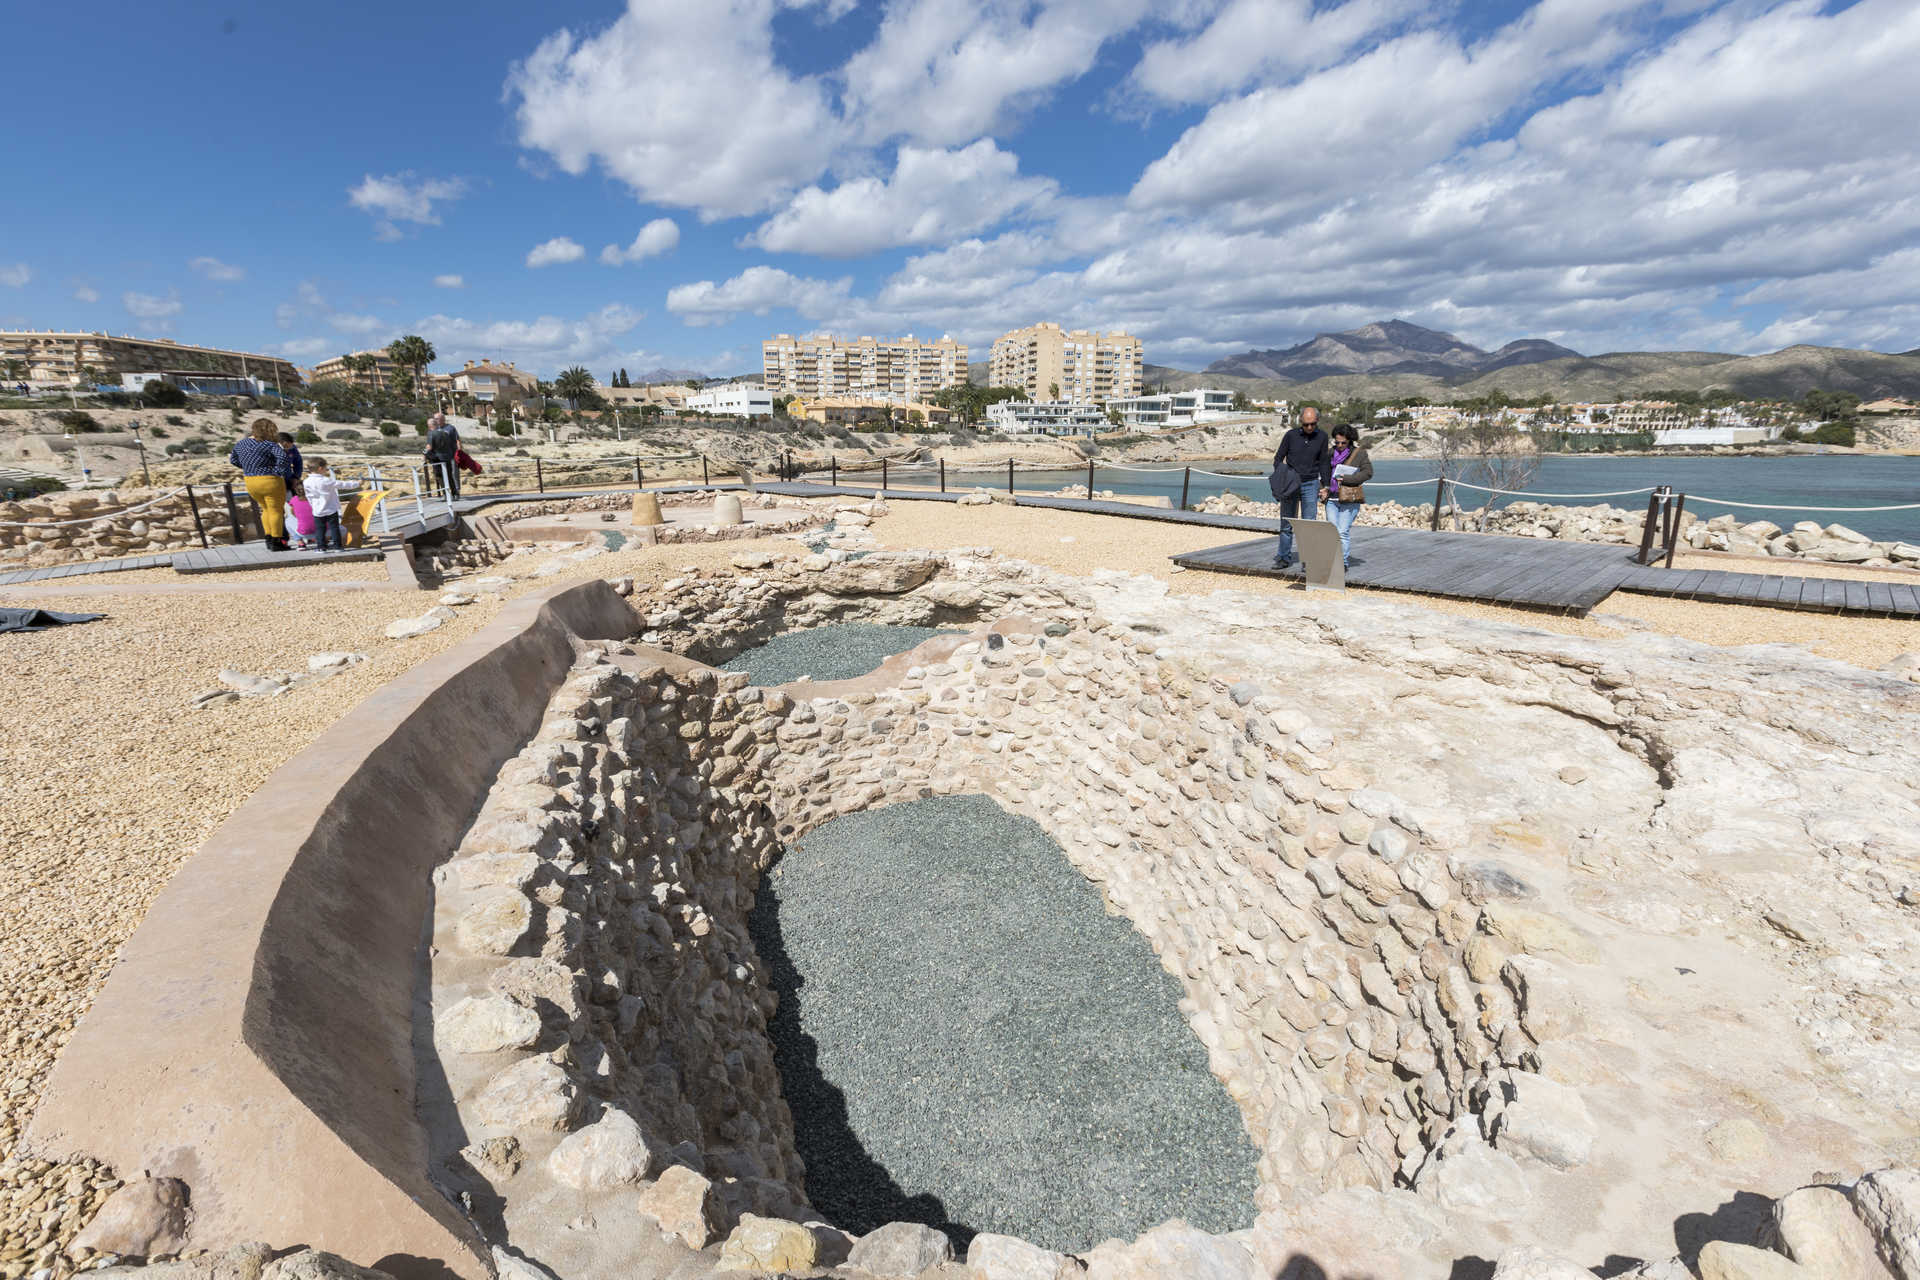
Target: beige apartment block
[(32, 355), (825, 366), (338, 369), (671, 396), (1079, 366)]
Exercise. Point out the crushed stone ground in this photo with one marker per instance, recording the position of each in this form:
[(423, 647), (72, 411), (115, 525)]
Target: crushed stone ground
[(967, 1039)]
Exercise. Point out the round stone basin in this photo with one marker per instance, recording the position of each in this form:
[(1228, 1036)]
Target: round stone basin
[(967, 1039), (841, 651)]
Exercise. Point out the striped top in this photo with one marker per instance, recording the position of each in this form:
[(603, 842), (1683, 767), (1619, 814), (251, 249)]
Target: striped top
[(258, 457)]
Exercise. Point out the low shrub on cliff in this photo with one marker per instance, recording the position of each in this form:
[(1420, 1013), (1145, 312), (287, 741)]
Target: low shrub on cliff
[(78, 420), (388, 428), (343, 434), (306, 435)]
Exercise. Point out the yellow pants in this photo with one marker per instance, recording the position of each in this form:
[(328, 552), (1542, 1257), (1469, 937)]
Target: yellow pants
[(269, 493)]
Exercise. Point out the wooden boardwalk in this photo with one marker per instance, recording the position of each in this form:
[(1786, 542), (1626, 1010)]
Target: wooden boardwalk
[(1470, 566), (1777, 591)]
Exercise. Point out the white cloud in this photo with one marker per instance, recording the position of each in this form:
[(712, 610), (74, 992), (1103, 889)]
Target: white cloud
[(557, 250), (404, 197), (656, 238), (15, 275), (450, 282), (684, 103), (307, 348), (934, 196), (946, 71), (759, 290), (149, 307), (85, 293), (214, 269), (547, 344), (358, 326), (1261, 39)]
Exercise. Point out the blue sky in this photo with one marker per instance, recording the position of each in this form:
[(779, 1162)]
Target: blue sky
[(666, 183)]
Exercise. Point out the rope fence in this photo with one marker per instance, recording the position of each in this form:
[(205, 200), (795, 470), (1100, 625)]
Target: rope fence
[(1786, 506)]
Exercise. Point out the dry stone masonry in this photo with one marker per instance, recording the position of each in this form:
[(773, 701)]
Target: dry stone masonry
[(1417, 963)]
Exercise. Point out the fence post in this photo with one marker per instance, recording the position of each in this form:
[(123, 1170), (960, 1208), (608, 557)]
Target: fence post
[(1009, 477), (883, 475), (1089, 479), (833, 470), (1676, 506), (1186, 479), (1439, 500), (233, 515), (943, 475), (705, 483), (638, 481), (193, 505), (539, 476), (1652, 523), (446, 485)]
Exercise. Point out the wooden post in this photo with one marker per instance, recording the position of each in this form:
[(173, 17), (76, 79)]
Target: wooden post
[(883, 475), (1676, 506), (233, 515), (1186, 479), (193, 505), (539, 476), (833, 470), (943, 475), (1439, 500), (1652, 523), (1089, 479), (1009, 477), (704, 481)]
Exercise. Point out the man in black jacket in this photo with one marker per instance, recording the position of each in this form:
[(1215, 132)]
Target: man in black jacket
[(443, 443), (1303, 451)]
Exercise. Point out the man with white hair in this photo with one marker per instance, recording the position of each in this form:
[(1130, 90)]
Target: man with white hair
[(443, 444)]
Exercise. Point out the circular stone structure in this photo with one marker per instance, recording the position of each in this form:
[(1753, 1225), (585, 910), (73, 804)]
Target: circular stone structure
[(968, 1039), (840, 651)]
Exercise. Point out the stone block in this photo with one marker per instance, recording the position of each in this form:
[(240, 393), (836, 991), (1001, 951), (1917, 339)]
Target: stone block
[(768, 1245), (611, 1152), (535, 1094), (486, 1024), (992, 1257), (1546, 1120), (684, 1205), (900, 1250), (1888, 1201), (1817, 1228), (140, 1219), (1720, 1260)]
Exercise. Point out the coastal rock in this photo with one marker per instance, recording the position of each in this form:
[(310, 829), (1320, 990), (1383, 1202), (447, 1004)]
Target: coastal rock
[(884, 573), (432, 620), (1533, 1263), (613, 1151), (1172, 1249), (684, 1205), (486, 1024), (1888, 1201), (768, 1245), (993, 1257), (313, 1264), (140, 1219), (1546, 1120), (1720, 1260), (900, 1250), (1817, 1228), (534, 1094)]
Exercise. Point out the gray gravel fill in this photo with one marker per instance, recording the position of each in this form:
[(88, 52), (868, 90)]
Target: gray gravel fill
[(967, 1039), (838, 652)]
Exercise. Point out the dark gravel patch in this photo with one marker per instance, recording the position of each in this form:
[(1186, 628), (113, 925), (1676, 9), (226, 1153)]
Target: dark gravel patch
[(967, 1039), (838, 652)]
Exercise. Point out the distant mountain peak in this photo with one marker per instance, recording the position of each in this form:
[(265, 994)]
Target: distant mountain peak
[(1386, 347)]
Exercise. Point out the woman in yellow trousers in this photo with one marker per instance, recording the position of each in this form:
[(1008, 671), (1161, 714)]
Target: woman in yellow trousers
[(263, 465)]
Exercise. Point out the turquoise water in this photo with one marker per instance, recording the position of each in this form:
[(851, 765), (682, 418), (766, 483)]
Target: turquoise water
[(1787, 486)]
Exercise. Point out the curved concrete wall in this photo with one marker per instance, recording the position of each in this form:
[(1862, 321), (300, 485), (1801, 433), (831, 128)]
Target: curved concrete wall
[(256, 1036)]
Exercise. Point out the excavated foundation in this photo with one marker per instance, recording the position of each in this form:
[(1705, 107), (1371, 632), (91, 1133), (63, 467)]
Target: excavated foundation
[(608, 1018)]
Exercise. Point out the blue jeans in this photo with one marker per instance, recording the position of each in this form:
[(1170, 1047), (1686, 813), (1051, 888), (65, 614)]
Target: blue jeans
[(1343, 514), (1301, 506)]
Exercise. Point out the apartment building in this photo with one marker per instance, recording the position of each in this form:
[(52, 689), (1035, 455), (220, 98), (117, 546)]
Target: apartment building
[(33, 355), (847, 409), (1079, 366), (826, 366), (1047, 417), (1173, 409), (670, 396), (735, 399), (378, 377)]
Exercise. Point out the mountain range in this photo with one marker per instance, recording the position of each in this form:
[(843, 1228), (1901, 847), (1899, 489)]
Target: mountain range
[(1392, 359)]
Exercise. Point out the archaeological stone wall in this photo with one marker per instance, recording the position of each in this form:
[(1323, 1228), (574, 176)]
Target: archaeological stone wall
[(62, 528)]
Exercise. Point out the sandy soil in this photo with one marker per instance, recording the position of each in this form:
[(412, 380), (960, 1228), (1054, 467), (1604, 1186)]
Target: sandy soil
[(1075, 543), (345, 571)]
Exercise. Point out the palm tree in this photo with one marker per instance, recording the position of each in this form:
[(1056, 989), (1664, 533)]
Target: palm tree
[(573, 385), (415, 353)]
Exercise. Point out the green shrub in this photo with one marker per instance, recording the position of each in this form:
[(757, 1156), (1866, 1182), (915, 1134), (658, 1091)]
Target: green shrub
[(158, 433), (343, 434), (502, 427), (330, 414), (175, 420), (420, 428), (389, 429), (163, 395), (306, 435), (1840, 433), (78, 420)]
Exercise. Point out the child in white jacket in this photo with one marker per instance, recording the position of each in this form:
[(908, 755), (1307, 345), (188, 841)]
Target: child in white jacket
[(323, 491)]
